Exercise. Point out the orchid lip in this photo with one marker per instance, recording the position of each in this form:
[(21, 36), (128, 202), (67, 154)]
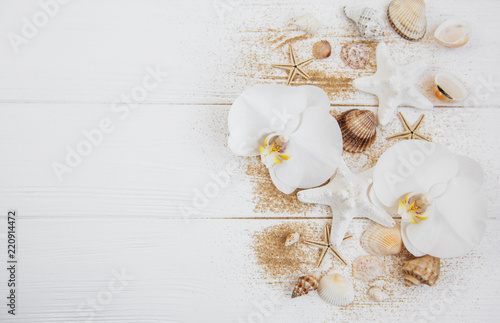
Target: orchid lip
[(415, 207), (274, 154)]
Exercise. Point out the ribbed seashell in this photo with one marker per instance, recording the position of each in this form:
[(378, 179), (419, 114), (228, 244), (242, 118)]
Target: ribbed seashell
[(367, 268), (423, 270), (359, 129), (367, 20), (448, 88), (354, 55), (336, 290), (291, 239), (381, 241), (307, 23), (322, 49), (377, 294), (453, 32), (304, 285), (407, 17)]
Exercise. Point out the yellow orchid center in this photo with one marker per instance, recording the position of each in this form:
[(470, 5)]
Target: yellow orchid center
[(272, 154), (414, 208)]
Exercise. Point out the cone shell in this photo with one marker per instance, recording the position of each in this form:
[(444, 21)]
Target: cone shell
[(367, 268), (359, 129), (448, 88), (336, 290), (407, 17), (381, 241), (304, 285), (453, 32), (367, 20), (423, 270), (322, 49)]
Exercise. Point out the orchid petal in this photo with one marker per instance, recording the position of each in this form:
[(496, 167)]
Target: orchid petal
[(411, 248), (471, 169), (458, 223), (315, 150), (412, 166)]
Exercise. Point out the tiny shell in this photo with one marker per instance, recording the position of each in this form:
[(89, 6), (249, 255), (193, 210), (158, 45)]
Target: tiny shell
[(448, 88), (354, 55), (367, 268), (304, 285), (322, 49), (336, 290), (292, 239), (359, 129), (381, 241), (453, 32), (367, 20), (423, 270), (377, 294), (407, 17), (307, 23)]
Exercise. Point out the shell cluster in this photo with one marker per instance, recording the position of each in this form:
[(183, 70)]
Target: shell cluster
[(359, 129), (337, 290), (291, 239), (322, 49), (304, 285), (408, 18), (423, 270), (448, 88), (453, 32), (367, 20), (354, 55), (381, 241), (367, 268)]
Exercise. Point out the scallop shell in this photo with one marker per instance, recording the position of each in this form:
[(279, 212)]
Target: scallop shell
[(423, 270), (381, 241), (304, 285), (367, 20), (367, 268), (292, 239), (453, 32), (307, 23), (336, 290), (407, 17), (354, 55), (359, 129), (448, 88), (322, 49), (377, 294)]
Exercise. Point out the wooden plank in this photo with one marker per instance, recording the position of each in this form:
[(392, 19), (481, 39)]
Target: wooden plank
[(166, 161), (205, 270), (95, 51)]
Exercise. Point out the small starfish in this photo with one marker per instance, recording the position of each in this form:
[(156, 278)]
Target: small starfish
[(326, 247), (410, 131), (294, 68), (347, 195)]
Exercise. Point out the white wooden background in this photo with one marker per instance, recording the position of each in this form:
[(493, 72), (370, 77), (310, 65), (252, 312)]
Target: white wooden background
[(120, 209)]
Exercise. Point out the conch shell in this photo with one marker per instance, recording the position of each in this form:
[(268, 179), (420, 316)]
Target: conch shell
[(304, 285), (367, 20), (423, 270)]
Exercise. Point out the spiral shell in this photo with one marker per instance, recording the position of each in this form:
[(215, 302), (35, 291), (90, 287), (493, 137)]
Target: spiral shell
[(304, 285), (381, 241), (407, 17), (336, 290), (359, 129), (354, 55), (322, 49), (367, 20), (423, 270), (367, 268)]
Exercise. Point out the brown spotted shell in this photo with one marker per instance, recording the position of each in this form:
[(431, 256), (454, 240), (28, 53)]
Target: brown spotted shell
[(423, 270), (407, 17), (304, 285), (354, 55), (359, 129), (322, 49)]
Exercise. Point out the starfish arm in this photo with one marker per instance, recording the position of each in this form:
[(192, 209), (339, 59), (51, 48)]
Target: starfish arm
[(337, 255), (340, 223), (416, 99), (318, 195), (292, 56), (322, 257), (405, 123), (386, 109), (418, 123), (291, 76), (413, 70), (287, 67), (316, 243), (419, 136), (402, 135), (306, 62), (367, 84), (301, 72), (376, 214)]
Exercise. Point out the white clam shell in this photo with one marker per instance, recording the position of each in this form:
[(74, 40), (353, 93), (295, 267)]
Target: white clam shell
[(449, 88), (368, 21), (337, 290), (453, 32), (377, 294), (307, 23), (381, 241)]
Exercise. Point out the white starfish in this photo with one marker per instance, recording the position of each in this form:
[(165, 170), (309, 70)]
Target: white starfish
[(394, 85), (347, 195)]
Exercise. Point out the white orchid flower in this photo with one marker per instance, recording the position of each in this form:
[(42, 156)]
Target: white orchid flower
[(292, 129), (438, 195)]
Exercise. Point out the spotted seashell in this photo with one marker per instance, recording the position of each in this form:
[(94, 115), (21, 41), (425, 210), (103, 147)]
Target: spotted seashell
[(336, 290), (367, 20), (304, 285), (423, 270), (354, 55)]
